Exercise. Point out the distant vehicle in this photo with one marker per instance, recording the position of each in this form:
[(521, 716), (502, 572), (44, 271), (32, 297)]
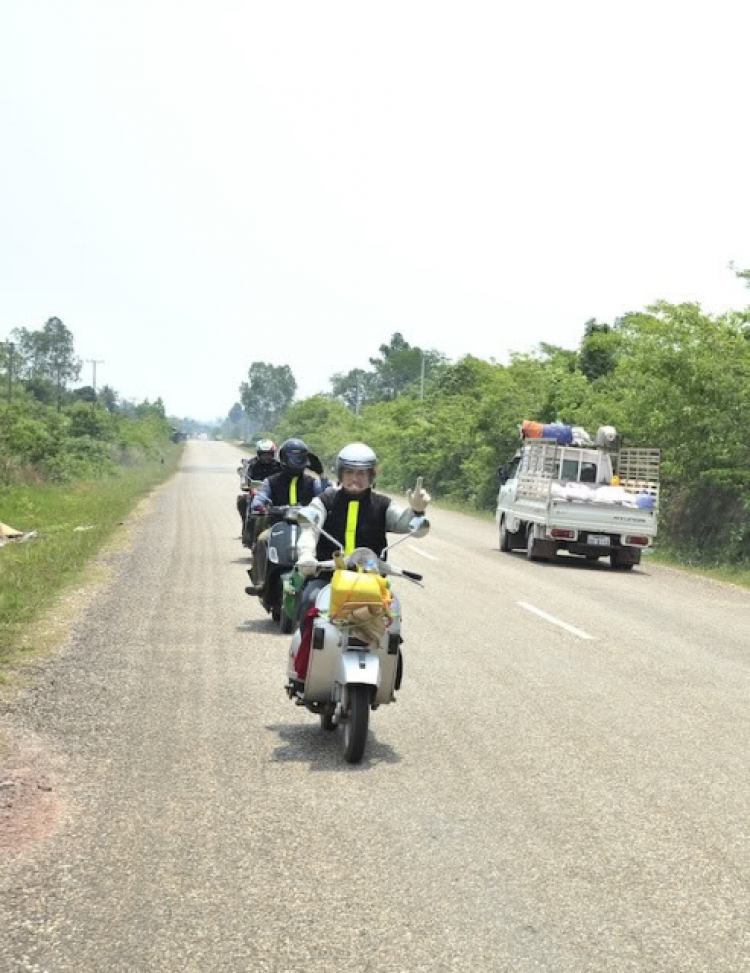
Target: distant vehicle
[(202, 435), (590, 501)]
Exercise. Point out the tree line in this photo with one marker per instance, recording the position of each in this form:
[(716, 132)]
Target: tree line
[(671, 376), (51, 431)]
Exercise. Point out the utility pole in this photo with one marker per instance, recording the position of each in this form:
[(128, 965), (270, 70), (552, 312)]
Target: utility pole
[(94, 362)]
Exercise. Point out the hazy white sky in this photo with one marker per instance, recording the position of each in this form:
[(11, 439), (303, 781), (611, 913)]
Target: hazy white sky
[(192, 186)]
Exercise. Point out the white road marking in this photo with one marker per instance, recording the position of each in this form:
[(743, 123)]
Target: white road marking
[(423, 553), (555, 621)]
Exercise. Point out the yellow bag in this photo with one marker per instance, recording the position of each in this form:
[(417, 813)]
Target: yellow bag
[(357, 589)]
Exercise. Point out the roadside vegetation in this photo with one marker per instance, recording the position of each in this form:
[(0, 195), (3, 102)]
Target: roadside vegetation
[(73, 463), (670, 377)]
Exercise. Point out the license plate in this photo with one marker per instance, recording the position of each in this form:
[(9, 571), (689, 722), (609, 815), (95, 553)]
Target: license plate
[(600, 540)]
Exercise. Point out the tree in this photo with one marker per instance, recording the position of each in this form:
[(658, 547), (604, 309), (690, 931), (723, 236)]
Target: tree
[(355, 388), (236, 414), (108, 397), (85, 393), (599, 347), (47, 358), (267, 393), (48, 353), (398, 369)]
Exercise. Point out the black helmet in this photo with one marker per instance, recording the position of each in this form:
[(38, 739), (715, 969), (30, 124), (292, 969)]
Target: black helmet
[(293, 455)]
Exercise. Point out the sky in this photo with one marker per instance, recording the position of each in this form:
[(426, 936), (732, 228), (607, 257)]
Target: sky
[(194, 186)]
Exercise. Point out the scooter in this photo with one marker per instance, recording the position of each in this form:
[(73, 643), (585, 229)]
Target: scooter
[(251, 524), (347, 661), (283, 582)]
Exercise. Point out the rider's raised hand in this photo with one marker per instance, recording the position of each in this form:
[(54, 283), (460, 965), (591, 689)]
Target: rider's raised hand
[(418, 497)]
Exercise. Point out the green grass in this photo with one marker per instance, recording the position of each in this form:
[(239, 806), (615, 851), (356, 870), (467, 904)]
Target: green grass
[(32, 574), (738, 574)]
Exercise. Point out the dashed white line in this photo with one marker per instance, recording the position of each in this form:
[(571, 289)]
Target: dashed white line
[(555, 621), (423, 553)]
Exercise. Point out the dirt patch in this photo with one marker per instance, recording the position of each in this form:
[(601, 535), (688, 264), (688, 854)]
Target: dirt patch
[(31, 803)]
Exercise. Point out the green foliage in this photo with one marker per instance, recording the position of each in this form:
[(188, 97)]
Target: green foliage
[(670, 377), (267, 393), (47, 354), (83, 440), (396, 370), (324, 424), (599, 350)]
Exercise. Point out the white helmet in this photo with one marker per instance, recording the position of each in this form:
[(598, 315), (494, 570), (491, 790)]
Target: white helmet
[(357, 456)]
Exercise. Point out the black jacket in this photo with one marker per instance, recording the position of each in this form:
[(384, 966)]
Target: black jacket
[(370, 530)]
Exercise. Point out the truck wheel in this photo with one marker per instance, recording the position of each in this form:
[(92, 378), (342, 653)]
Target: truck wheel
[(504, 537), (620, 563), (530, 546)]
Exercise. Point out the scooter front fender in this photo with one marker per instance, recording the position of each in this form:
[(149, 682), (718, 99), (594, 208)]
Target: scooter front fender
[(359, 667)]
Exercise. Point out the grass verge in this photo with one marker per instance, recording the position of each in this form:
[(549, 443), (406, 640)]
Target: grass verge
[(32, 574), (738, 574)]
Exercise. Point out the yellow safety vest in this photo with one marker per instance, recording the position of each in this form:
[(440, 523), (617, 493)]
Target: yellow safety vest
[(293, 490), (350, 537)]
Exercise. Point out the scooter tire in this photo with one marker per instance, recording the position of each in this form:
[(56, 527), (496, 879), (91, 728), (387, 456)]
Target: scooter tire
[(357, 723), (286, 625)]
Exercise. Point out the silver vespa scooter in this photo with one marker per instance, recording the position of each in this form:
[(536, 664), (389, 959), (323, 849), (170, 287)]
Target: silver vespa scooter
[(349, 661)]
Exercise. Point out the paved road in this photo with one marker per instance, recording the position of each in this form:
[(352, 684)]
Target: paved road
[(541, 798)]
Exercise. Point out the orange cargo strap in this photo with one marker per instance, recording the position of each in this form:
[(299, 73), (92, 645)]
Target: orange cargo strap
[(352, 515), (293, 490)]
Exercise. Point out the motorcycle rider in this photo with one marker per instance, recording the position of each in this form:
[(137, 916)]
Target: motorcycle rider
[(355, 515), (261, 466), (291, 485)]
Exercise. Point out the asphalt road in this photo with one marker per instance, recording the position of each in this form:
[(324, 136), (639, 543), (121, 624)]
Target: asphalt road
[(541, 797)]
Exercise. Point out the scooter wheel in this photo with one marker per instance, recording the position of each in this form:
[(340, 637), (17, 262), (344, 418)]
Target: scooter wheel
[(286, 625), (355, 727)]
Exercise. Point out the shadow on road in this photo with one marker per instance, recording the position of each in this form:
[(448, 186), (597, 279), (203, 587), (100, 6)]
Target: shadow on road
[(264, 625), (569, 562), (321, 749)]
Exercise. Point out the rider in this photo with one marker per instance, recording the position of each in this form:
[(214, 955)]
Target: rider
[(355, 515), (290, 486), (261, 466)]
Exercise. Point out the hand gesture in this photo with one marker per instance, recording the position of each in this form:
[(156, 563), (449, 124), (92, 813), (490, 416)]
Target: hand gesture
[(418, 497)]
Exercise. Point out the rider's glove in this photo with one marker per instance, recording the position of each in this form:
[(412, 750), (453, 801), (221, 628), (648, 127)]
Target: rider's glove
[(308, 566), (418, 497)]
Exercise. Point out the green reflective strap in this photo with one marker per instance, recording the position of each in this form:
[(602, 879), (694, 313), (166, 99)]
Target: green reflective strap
[(352, 515), (293, 490)]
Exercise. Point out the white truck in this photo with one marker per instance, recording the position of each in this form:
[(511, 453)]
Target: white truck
[(593, 502)]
